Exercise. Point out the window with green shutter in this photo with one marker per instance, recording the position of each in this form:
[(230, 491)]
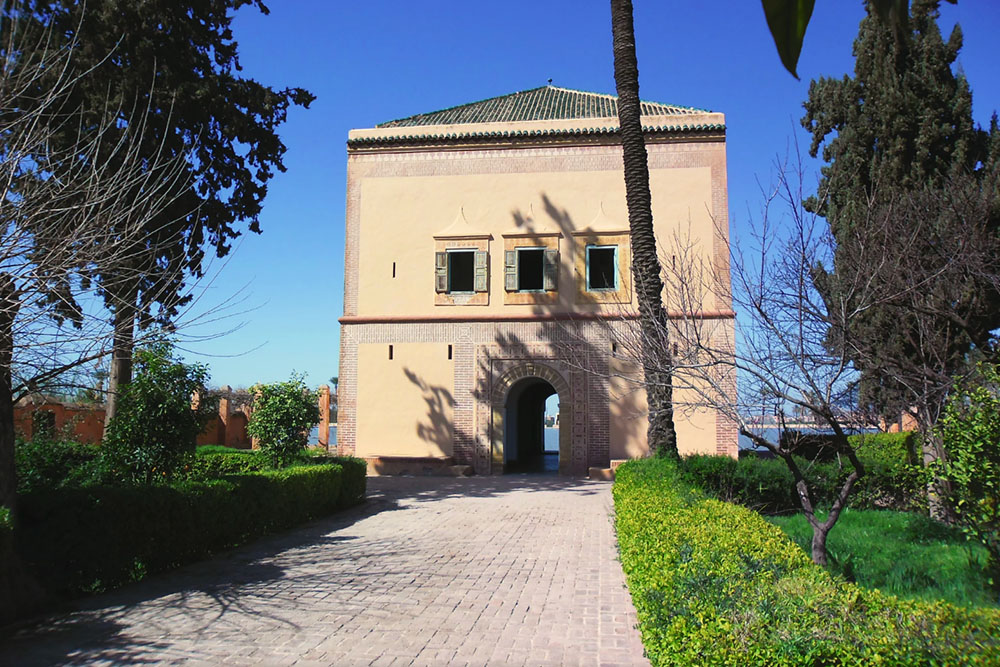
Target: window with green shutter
[(461, 271), (531, 270), (550, 270), (482, 263)]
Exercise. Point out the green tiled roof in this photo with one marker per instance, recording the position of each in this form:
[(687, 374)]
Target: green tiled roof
[(545, 103)]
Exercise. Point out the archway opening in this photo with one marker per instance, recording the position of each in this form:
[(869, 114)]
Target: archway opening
[(530, 442)]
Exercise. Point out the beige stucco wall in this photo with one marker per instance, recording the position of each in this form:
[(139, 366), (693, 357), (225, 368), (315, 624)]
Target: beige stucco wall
[(405, 404), (401, 215), (696, 429), (628, 412), (405, 203)]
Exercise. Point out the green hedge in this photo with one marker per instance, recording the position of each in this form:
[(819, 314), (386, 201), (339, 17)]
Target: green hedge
[(213, 462), (355, 480), (215, 465), (893, 478), (50, 464), (6, 533), (714, 583), (85, 539)]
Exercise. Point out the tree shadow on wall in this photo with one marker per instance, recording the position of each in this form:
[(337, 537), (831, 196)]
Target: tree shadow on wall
[(437, 429), (571, 333)]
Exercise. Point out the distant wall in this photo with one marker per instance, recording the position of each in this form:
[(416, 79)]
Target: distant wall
[(82, 423), (85, 423)]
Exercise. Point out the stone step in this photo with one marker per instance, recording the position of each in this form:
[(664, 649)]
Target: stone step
[(601, 474)]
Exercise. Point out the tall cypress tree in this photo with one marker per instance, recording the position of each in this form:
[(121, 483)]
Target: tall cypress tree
[(901, 148)]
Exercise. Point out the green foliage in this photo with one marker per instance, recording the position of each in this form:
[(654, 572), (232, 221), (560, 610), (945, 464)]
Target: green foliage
[(894, 475), (767, 486), (970, 430), (215, 465), (900, 145), (201, 450), (220, 127), (902, 553), (86, 540), (49, 464), (787, 22), (152, 435), (355, 479), (282, 415), (6, 532), (714, 583)]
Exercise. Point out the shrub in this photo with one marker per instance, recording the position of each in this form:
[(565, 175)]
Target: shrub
[(970, 430), (214, 465), (90, 539), (47, 464), (890, 481), (282, 415), (714, 583), (810, 446), (6, 532), (153, 432), (895, 477), (765, 485), (355, 478)]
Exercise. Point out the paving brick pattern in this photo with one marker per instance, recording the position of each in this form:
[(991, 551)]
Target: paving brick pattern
[(514, 570)]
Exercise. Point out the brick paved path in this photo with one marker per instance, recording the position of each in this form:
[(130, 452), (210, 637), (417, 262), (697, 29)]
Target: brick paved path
[(515, 570)]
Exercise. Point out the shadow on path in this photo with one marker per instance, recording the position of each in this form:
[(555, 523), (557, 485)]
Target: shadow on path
[(314, 571)]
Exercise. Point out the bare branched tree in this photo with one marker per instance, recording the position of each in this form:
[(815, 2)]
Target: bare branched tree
[(778, 351), (796, 352), (64, 220)]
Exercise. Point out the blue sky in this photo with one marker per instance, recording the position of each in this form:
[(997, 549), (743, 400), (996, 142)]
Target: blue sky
[(374, 61)]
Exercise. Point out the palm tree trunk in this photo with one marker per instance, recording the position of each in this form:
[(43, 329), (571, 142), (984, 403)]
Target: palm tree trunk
[(661, 435)]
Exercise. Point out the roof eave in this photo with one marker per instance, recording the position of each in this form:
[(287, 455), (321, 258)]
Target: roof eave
[(493, 132)]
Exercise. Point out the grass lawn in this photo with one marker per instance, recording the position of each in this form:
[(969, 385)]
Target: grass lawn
[(906, 554)]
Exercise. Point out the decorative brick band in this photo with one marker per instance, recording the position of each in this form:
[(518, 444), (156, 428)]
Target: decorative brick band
[(523, 317)]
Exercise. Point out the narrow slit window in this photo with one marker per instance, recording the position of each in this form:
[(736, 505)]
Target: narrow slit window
[(449, 351), (530, 269), (602, 273), (462, 271), (390, 352), (394, 269)]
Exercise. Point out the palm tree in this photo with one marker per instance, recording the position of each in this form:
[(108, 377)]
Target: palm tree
[(661, 434)]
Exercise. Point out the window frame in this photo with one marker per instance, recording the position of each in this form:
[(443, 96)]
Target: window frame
[(540, 250), (479, 244), (449, 252), (549, 243), (622, 294), (615, 269)]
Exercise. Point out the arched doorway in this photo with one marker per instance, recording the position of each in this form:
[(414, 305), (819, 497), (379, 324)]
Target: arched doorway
[(572, 456), (526, 430)]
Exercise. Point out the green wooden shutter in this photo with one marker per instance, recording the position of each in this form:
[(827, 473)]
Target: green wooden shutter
[(482, 275), (441, 272), (510, 270), (551, 270)]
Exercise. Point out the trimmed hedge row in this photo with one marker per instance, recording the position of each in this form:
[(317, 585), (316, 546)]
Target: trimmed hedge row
[(95, 538), (6, 533), (218, 463), (714, 583), (48, 464), (892, 480)]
